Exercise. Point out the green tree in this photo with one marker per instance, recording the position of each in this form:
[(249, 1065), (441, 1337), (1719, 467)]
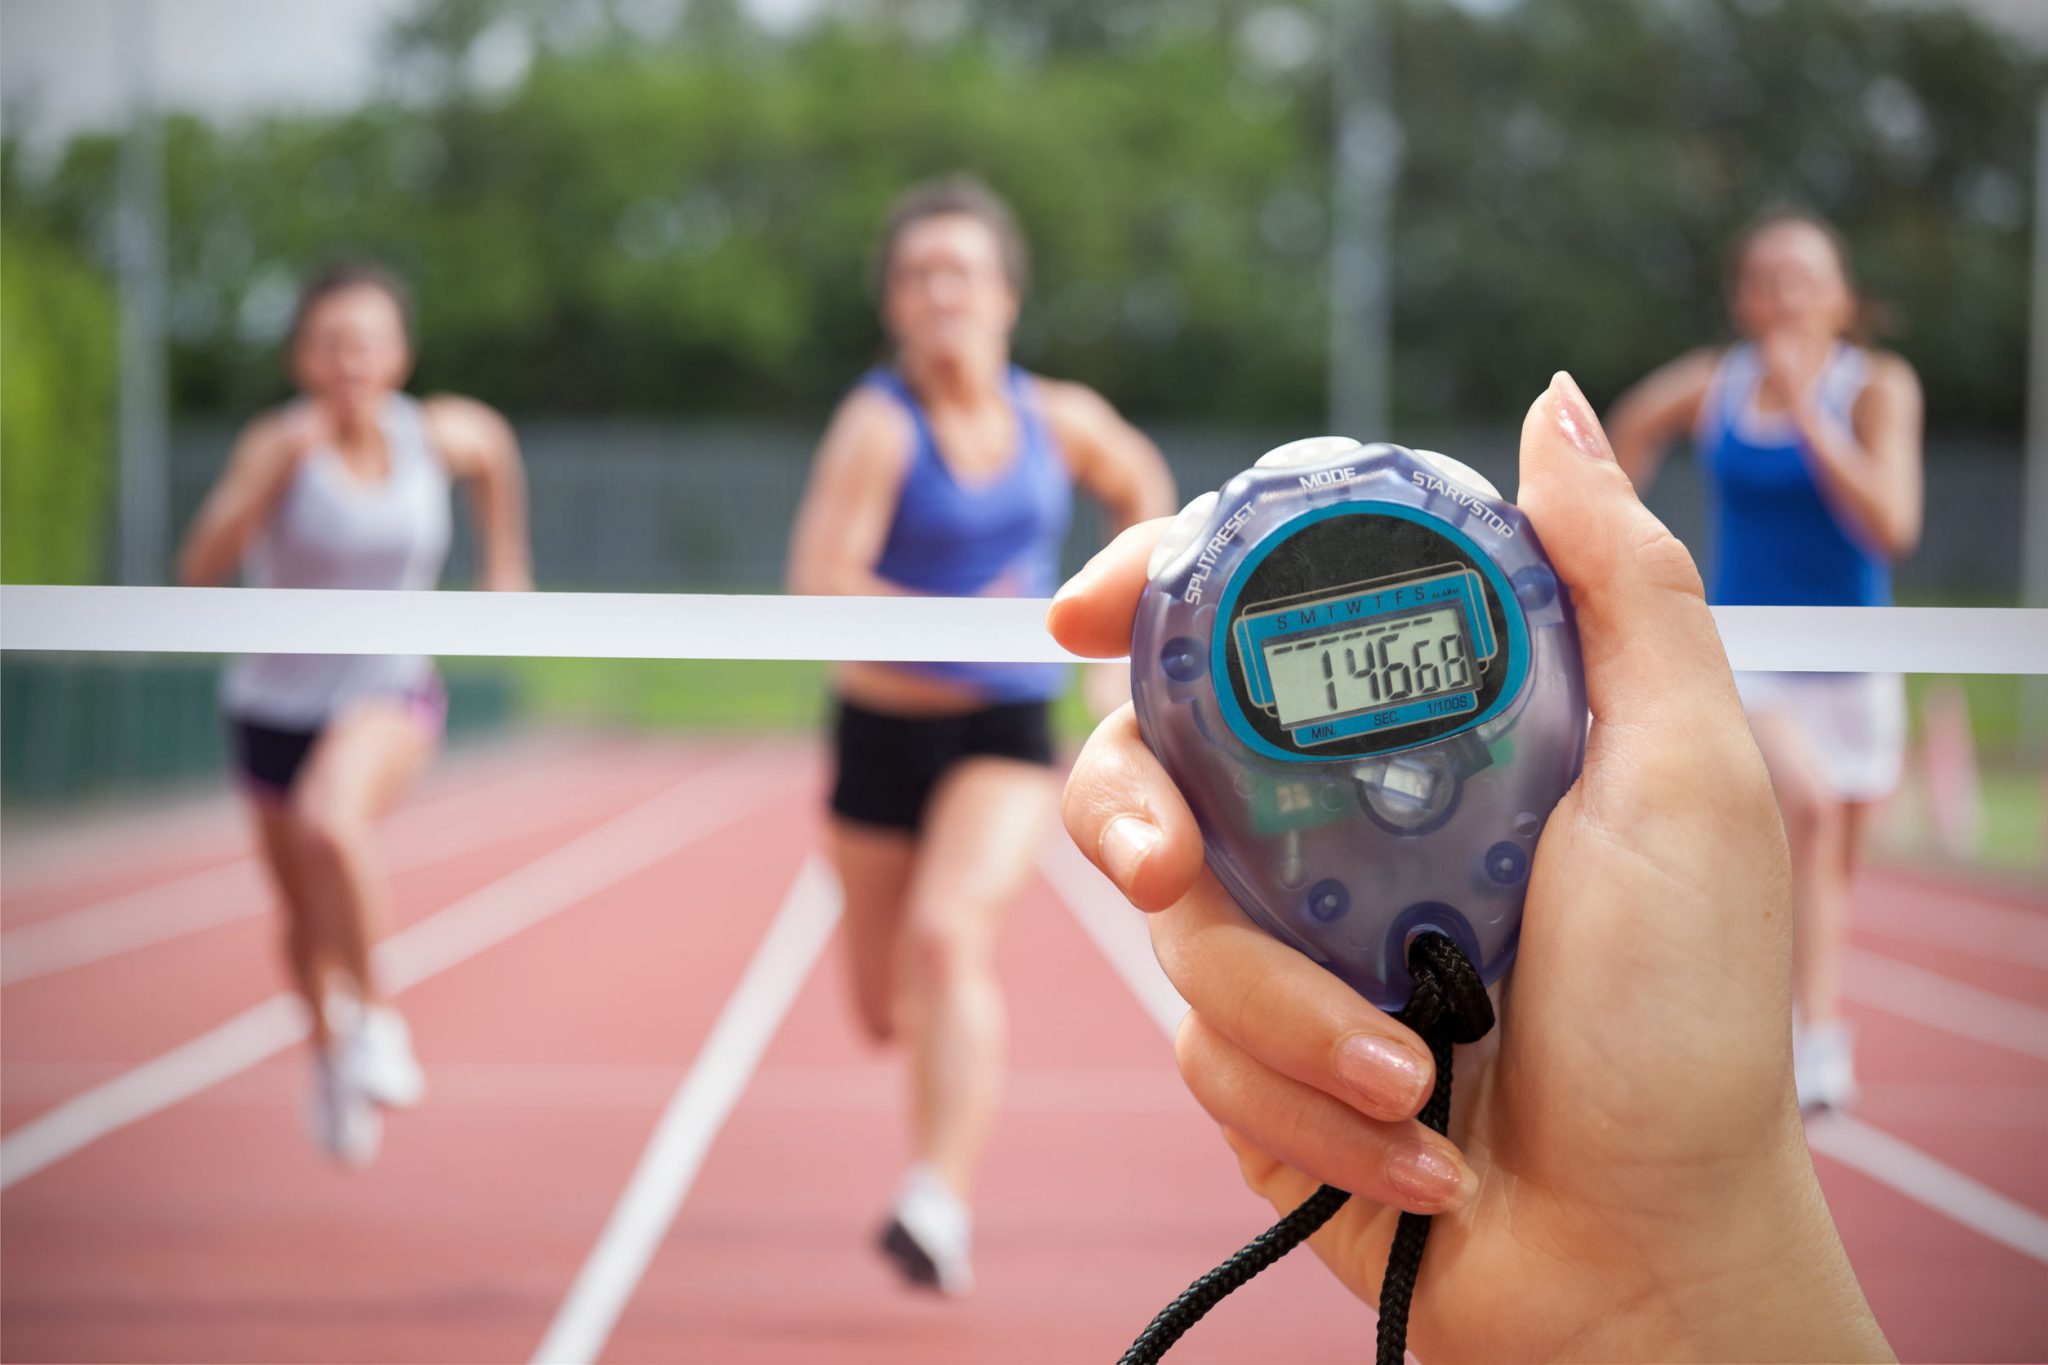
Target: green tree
[(676, 215), (57, 334)]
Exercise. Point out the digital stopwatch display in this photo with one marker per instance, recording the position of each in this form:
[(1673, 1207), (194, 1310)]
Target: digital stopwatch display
[(1329, 653), (1386, 662), (1400, 663)]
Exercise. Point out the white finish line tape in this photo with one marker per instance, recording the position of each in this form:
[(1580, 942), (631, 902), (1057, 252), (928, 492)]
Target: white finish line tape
[(603, 625)]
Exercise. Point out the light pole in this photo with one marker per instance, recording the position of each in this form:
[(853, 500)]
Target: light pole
[(2034, 518), (1364, 164), (142, 522)]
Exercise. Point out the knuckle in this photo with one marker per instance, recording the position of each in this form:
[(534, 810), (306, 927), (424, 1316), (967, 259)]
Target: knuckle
[(1187, 1040), (1170, 947), (1662, 561), (1098, 787), (1197, 1054), (1263, 1012)]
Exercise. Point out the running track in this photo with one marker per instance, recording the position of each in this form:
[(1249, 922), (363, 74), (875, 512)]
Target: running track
[(651, 1136)]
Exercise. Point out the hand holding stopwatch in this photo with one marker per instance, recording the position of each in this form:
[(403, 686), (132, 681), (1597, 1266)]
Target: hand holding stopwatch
[(1357, 665), (1360, 670)]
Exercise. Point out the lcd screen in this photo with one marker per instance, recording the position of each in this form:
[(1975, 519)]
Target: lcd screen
[(1362, 668)]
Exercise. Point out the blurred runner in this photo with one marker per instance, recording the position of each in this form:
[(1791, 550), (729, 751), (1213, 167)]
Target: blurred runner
[(347, 487), (949, 471), (1810, 444)]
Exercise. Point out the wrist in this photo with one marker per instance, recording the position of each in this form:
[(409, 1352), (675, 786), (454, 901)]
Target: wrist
[(1763, 1276)]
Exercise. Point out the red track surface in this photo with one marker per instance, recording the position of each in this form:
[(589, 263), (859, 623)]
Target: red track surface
[(209, 1229)]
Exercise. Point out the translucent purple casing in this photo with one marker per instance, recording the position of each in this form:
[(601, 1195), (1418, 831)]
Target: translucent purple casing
[(1347, 858)]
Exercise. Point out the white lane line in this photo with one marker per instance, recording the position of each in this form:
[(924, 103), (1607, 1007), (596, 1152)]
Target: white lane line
[(1117, 929), (1891, 1162), (135, 919), (47, 850), (1910, 1171), (691, 809), (42, 855), (690, 1123), (1962, 926), (226, 1050), (1928, 998), (431, 833)]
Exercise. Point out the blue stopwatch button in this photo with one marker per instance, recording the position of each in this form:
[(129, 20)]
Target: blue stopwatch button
[(1359, 667)]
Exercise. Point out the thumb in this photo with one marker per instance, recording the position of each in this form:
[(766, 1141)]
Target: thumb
[(1652, 653)]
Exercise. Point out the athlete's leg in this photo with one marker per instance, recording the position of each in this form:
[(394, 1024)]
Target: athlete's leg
[(874, 864), (1817, 828), (984, 827), (306, 950), (362, 763), (1858, 817)]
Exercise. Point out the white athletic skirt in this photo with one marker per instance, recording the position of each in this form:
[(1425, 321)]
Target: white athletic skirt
[(1856, 723)]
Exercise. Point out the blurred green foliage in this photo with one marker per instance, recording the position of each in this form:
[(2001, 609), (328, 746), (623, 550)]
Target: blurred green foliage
[(610, 206), (57, 333), (2013, 846), (726, 695)]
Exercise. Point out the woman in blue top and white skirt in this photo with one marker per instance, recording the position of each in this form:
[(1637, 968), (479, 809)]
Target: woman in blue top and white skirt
[(1810, 446), (948, 471)]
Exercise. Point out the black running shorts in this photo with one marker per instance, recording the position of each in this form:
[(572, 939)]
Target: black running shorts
[(888, 764)]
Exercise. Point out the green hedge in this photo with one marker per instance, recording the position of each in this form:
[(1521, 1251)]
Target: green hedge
[(57, 332)]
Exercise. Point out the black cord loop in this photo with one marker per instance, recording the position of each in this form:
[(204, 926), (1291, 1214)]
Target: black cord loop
[(1449, 1005)]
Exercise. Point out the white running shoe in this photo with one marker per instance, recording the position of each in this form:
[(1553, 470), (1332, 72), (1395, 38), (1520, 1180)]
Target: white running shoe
[(380, 1056), (929, 1234), (1824, 1066), (339, 1115)]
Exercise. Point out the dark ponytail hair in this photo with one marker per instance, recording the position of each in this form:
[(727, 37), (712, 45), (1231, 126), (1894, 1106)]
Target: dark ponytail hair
[(950, 196), (1868, 317), (349, 273)]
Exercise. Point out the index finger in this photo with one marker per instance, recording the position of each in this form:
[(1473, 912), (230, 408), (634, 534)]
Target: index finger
[(1288, 1013), (1093, 611)]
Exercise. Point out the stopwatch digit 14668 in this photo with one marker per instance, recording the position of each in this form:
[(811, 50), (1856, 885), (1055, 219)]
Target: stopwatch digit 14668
[(1361, 671)]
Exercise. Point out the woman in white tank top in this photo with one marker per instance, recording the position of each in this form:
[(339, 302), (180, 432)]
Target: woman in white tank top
[(347, 487)]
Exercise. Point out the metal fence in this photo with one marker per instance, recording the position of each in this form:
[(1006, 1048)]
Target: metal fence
[(673, 506), (706, 506), (74, 728)]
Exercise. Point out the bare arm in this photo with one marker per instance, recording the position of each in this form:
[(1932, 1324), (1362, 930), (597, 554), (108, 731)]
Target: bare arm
[(479, 448), (1120, 468), (1870, 467), (259, 469), (1656, 411), (1112, 460), (850, 500)]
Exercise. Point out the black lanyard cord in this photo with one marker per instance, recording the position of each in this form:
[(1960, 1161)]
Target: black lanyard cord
[(1449, 1005)]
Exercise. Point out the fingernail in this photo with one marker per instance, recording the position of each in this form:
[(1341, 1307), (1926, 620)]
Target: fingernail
[(1429, 1178), (1575, 419), (1390, 1078), (1126, 843)]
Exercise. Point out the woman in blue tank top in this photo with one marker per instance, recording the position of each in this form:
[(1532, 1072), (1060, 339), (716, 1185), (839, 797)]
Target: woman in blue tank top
[(948, 471), (1810, 446)]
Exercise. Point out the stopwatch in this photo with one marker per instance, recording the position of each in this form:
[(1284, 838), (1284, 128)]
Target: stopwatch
[(1358, 666)]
